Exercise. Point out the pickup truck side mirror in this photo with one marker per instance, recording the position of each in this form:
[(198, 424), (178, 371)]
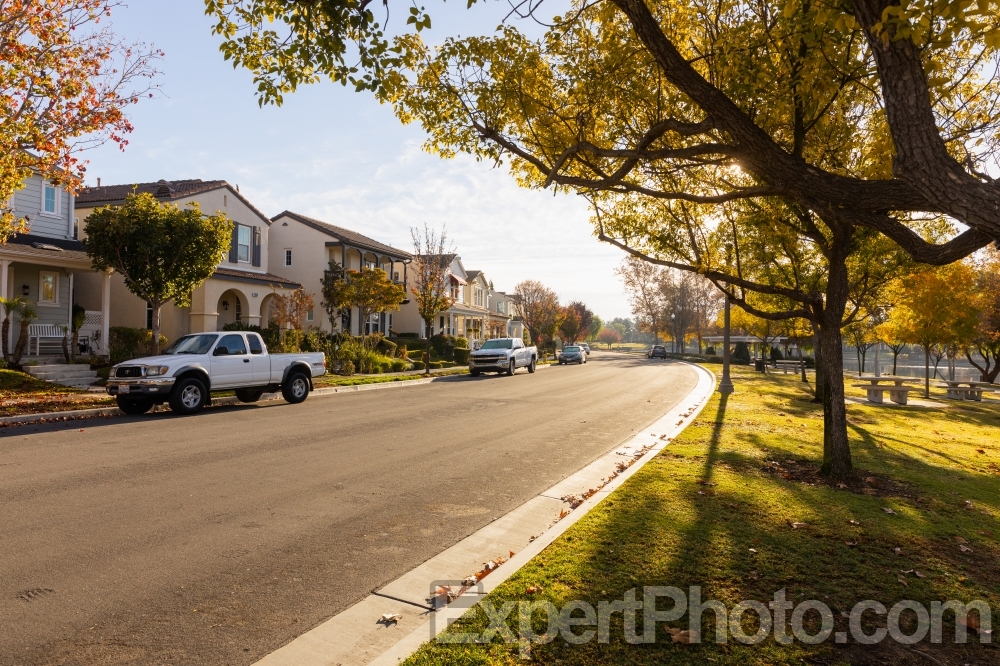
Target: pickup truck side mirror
[(221, 351)]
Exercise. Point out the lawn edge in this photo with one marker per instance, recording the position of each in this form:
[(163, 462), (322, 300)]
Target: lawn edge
[(686, 411)]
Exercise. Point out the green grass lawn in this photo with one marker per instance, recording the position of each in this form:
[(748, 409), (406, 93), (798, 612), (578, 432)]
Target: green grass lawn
[(716, 508)]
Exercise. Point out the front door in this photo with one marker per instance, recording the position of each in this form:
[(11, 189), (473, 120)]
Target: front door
[(233, 368)]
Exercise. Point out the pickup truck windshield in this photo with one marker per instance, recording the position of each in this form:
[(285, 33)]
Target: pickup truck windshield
[(192, 344), (496, 344)]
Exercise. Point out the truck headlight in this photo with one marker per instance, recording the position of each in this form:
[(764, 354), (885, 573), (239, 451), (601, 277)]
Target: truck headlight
[(156, 370)]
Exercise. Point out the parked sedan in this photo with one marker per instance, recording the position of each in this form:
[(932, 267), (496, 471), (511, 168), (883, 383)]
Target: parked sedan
[(572, 354), (585, 347), (657, 351)]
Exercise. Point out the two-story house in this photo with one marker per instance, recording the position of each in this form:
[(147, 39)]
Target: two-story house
[(242, 289), (469, 311), (48, 266), (502, 322), (303, 248)]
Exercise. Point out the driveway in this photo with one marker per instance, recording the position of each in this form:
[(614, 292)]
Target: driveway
[(216, 539)]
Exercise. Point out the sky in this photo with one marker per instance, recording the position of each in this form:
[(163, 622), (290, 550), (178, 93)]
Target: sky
[(339, 156)]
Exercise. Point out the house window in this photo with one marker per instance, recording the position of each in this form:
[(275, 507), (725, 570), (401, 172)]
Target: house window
[(244, 244), (149, 315), (309, 316), (48, 288), (288, 257), (50, 203), (76, 227)]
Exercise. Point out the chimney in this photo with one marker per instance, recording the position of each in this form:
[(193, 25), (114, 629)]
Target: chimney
[(98, 182)]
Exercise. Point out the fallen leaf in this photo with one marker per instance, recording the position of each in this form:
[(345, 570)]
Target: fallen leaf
[(853, 522), (871, 479), (390, 618), (796, 526), (965, 549), (753, 550), (960, 539), (686, 636), (977, 450), (985, 533), (901, 580), (534, 589), (842, 485), (851, 544), (511, 554), (918, 574), (888, 510), (898, 551)]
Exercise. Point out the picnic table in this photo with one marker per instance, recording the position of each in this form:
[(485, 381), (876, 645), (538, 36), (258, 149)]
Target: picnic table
[(784, 364), (958, 390), (877, 387)]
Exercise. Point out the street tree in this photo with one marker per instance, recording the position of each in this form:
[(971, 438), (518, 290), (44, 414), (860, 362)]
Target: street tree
[(642, 283), (429, 279), (586, 317), (569, 324), (609, 336), (596, 325), (163, 252), (290, 310), (825, 135), (65, 84), (539, 308), (371, 291), (861, 335)]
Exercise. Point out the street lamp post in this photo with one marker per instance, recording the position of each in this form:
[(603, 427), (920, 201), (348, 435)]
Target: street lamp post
[(726, 385)]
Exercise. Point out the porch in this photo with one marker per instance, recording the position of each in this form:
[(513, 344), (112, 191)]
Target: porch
[(43, 271)]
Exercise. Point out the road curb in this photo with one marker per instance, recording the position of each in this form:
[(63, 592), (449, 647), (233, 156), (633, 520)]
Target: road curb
[(75, 414), (349, 638)]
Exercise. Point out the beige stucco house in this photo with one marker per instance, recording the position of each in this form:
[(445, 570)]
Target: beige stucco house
[(242, 288), (302, 248)]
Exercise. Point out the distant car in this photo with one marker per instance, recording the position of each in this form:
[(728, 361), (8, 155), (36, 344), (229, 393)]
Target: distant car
[(573, 354), (657, 351), (586, 347)]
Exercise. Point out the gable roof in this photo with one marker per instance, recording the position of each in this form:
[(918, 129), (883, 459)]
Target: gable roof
[(164, 190), (343, 235), (472, 275)]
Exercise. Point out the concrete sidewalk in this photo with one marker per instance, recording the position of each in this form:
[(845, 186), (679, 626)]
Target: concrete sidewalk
[(357, 636)]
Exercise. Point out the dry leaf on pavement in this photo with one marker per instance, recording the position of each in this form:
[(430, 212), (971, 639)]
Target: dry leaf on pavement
[(888, 510)]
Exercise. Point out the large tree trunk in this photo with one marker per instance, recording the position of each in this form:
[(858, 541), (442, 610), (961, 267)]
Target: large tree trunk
[(836, 447), (820, 382)]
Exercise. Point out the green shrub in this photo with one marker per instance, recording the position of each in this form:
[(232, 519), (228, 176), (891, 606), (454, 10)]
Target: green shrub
[(125, 343), (710, 350), (436, 365), (741, 354), (461, 343), (776, 354), (398, 365), (461, 356), (385, 347), (418, 365), (347, 368), (442, 344)]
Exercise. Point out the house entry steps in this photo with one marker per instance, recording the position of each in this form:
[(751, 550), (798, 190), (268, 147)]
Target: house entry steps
[(77, 375)]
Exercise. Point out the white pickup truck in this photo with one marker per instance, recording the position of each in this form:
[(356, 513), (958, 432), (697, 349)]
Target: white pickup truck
[(502, 355), (196, 365)]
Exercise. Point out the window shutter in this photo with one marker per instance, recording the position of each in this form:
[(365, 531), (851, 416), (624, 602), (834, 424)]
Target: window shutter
[(256, 247), (234, 247)]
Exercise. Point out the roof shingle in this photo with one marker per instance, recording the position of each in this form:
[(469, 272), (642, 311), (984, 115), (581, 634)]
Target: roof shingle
[(344, 235)]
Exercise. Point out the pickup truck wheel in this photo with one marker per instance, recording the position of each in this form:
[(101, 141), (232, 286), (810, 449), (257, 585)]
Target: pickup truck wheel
[(132, 406), (248, 395), (296, 389), (531, 366), (474, 373), (511, 368), (189, 396)]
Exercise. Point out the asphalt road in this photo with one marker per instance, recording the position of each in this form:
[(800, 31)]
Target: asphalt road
[(216, 539)]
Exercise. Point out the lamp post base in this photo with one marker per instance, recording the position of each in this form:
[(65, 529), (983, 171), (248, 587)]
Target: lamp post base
[(726, 387)]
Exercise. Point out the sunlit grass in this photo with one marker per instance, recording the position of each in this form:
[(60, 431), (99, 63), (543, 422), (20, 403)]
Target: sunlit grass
[(657, 529)]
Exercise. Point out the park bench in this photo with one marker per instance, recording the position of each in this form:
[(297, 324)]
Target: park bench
[(39, 332), (877, 386), (789, 363)]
